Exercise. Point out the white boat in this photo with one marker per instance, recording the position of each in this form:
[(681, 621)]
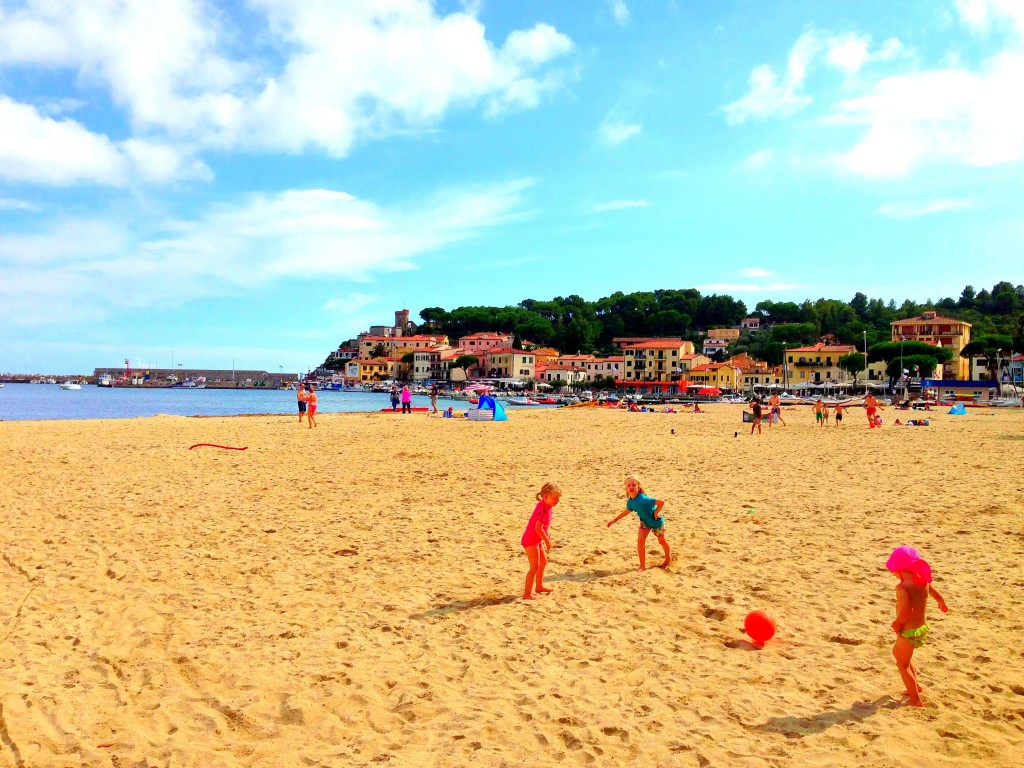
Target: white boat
[(523, 401), (70, 384), (1006, 402), (106, 380)]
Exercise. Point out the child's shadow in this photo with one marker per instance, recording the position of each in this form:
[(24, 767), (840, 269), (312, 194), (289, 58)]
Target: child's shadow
[(798, 727), (581, 576), (463, 605)]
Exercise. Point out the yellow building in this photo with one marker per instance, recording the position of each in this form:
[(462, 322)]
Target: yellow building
[(946, 332), (508, 363), (721, 375), (817, 364), (655, 360)]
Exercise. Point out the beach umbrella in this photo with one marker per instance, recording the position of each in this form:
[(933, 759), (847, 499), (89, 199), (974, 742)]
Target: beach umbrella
[(478, 388), (710, 391)]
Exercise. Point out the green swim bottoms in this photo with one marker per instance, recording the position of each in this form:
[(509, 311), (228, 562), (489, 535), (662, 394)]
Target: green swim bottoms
[(916, 636)]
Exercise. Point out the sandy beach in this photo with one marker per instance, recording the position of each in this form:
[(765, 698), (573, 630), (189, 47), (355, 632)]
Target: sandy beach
[(347, 596)]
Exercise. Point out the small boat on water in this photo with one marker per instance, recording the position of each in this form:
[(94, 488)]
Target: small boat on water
[(70, 384), (523, 401)]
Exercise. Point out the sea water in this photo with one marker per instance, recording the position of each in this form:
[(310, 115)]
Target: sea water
[(22, 402)]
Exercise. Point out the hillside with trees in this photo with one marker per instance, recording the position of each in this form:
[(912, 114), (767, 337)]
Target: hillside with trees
[(574, 324)]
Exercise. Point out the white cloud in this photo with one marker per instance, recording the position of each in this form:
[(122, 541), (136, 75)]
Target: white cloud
[(349, 304), (85, 269), (966, 117), (910, 210), (755, 272), (9, 204), (326, 75), (982, 15), (620, 205), (620, 12), (773, 94), (612, 132), (42, 150), (759, 160)]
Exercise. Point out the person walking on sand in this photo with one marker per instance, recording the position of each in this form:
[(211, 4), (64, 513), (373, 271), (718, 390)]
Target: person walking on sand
[(870, 407), (819, 412), (300, 396), (651, 519), (406, 399), (536, 538), (434, 391), (776, 410), (912, 593), (755, 407), (839, 414), (310, 406)]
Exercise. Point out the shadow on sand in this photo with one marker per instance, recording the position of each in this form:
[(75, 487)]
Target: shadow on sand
[(458, 606), (798, 727)]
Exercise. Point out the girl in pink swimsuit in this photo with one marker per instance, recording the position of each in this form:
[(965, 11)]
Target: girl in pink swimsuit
[(536, 539)]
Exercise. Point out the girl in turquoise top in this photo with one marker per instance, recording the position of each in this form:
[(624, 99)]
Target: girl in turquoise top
[(651, 519)]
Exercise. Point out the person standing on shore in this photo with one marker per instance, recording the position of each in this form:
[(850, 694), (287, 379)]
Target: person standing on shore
[(434, 391), (776, 410), (406, 399), (755, 407), (310, 406), (394, 398), (536, 539), (300, 396)]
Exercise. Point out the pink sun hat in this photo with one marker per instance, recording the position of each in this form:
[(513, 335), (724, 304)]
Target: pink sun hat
[(906, 558)]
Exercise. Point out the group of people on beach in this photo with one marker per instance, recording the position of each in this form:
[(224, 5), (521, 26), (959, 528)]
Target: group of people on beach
[(912, 591), (820, 410)]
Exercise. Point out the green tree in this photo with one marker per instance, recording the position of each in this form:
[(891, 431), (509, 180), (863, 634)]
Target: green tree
[(465, 361), (991, 347), (852, 364)]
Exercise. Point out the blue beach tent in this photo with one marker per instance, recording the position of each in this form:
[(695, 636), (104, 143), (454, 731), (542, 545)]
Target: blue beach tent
[(486, 401), (958, 410)]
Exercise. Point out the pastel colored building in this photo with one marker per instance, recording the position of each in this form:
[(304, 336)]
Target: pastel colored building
[(508, 363), (477, 343), (721, 375), (816, 364), (396, 346), (604, 367), (656, 360), (946, 332)]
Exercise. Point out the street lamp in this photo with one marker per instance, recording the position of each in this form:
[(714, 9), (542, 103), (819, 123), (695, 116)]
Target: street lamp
[(902, 379), (865, 361)]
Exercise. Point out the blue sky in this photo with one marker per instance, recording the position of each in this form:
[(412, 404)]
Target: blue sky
[(257, 181)]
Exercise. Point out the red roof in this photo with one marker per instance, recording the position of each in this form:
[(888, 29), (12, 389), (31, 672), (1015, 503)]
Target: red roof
[(825, 348), (658, 344)]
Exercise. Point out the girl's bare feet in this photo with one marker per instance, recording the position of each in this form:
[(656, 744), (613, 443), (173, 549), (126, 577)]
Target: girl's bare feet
[(529, 597), (544, 589)]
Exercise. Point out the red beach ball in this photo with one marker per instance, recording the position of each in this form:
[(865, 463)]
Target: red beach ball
[(759, 626)]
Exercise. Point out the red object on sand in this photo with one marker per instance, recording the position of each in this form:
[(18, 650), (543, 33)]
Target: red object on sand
[(759, 626), (213, 445)]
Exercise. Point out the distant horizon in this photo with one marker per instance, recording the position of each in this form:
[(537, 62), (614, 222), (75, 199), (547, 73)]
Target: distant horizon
[(272, 177)]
